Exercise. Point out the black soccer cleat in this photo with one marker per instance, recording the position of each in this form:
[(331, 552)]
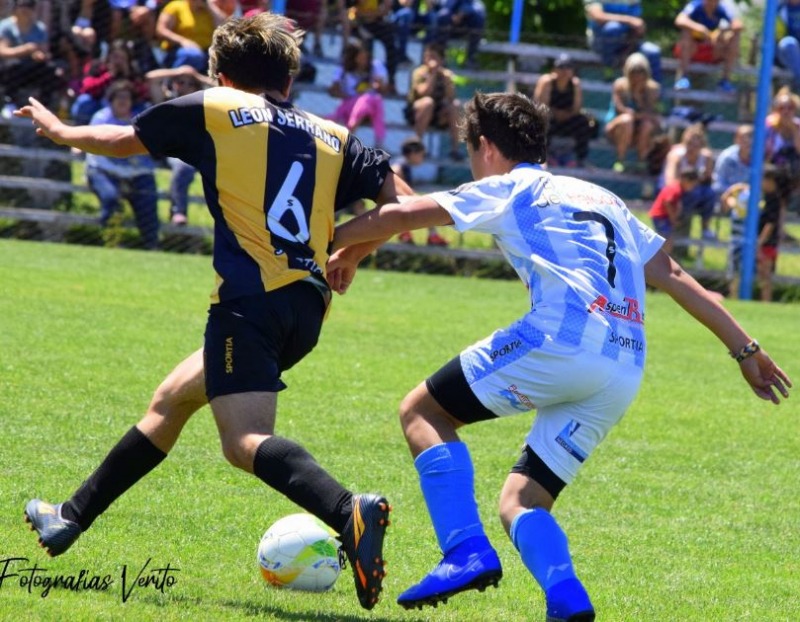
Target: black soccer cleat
[(56, 534), (362, 542)]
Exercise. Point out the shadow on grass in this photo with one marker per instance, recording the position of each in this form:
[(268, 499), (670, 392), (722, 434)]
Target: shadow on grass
[(271, 612)]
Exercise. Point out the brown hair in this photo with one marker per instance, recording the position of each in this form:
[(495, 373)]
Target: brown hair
[(513, 122), (256, 53)]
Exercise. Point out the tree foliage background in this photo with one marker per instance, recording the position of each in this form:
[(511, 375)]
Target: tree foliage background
[(563, 21)]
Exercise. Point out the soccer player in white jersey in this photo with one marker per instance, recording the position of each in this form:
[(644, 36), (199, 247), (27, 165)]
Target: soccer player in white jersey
[(576, 357)]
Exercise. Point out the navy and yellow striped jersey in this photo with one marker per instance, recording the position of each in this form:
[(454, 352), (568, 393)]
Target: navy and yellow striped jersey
[(273, 176)]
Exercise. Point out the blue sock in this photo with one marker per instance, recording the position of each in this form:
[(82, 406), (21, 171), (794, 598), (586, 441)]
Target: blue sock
[(542, 544), (446, 477)]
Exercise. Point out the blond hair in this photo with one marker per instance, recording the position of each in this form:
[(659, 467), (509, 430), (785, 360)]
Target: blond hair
[(785, 93), (636, 62)]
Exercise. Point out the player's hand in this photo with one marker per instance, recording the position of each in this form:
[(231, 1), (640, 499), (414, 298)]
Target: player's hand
[(341, 271), (47, 124), (765, 377)]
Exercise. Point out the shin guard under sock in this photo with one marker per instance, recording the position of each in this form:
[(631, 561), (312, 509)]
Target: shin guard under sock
[(133, 457), (446, 477), (291, 470)]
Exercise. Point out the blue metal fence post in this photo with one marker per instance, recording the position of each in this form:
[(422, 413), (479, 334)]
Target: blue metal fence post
[(516, 22), (759, 134), (513, 37)]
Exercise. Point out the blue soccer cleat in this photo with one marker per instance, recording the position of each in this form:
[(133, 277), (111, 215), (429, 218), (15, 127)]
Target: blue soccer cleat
[(362, 542), (471, 565), (568, 601), (56, 534)]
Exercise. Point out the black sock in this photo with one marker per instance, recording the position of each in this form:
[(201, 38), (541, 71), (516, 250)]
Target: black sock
[(133, 457), (291, 470)]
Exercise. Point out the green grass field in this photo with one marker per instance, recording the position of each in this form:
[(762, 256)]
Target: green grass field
[(688, 511)]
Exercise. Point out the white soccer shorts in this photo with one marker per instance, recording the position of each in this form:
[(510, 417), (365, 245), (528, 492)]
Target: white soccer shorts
[(578, 395)]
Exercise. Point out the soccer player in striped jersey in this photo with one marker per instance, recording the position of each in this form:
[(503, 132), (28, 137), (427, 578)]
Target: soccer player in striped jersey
[(576, 357), (273, 176)]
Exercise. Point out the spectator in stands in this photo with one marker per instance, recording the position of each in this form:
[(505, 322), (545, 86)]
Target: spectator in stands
[(135, 21), (782, 140), (633, 118), (185, 28), (787, 53), (732, 167), (693, 153), (83, 31), (709, 33), (254, 7), (561, 90), (458, 18), (407, 18), (360, 82), (26, 67), (76, 30), (432, 98), (731, 183), (616, 29), (735, 203), (166, 84), (413, 154), (133, 178), (311, 16), (99, 74), (770, 222), (373, 20), (667, 210)]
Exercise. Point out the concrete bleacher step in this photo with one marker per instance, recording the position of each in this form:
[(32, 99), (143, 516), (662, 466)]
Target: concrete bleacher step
[(589, 57)]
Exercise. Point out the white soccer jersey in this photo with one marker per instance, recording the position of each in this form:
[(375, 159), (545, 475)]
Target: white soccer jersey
[(577, 248)]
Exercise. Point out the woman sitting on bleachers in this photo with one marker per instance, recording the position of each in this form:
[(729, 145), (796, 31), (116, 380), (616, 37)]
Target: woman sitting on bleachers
[(561, 90), (782, 140), (693, 153), (633, 118)]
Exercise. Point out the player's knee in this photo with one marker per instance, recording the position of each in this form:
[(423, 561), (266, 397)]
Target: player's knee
[(408, 412), (508, 509), (172, 405), (235, 452)]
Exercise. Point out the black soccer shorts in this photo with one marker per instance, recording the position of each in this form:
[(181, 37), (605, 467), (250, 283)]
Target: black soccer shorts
[(250, 340)]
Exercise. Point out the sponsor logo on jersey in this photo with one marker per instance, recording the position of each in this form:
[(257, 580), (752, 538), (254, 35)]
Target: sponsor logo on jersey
[(564, 439), (627, 310), (637, 345), (229, 355), (518, 400), (507, 348)]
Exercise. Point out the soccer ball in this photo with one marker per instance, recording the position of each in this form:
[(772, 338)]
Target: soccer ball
[(300, 552)]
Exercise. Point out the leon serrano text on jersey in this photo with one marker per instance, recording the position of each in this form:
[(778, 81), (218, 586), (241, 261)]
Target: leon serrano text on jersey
[(241, 117)]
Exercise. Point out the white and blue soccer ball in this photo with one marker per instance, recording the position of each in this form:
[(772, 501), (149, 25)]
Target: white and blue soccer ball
[(300, 552)]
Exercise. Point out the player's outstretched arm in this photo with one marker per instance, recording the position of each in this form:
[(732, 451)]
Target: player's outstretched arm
[(759, 370), (344, 261), (387, 220), (117, 141)]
